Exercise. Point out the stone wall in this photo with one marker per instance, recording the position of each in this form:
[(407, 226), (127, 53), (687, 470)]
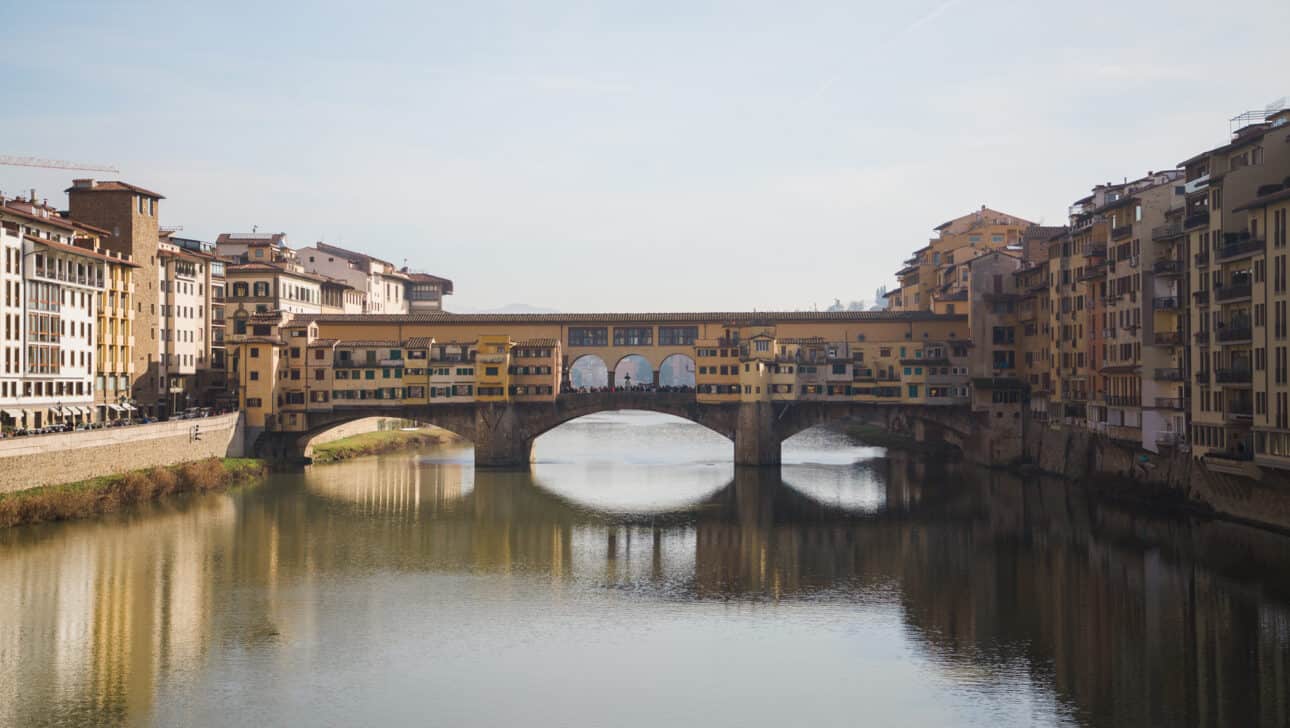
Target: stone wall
[(1095, 459), (32, 462)]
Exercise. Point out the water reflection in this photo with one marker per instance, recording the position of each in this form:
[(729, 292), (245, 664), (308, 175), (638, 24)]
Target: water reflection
[(928, 595)]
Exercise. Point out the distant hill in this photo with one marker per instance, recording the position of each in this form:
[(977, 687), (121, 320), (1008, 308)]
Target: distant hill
[(508, 308)]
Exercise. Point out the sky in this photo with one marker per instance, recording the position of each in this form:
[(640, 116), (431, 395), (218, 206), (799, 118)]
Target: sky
[(595, 156)]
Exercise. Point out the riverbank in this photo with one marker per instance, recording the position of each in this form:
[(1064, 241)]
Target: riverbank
[(96, 496), (378, 443)]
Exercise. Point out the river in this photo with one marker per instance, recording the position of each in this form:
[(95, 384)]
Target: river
[(634, 577)]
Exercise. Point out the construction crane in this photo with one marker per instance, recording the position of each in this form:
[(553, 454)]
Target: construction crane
[(53, 164)]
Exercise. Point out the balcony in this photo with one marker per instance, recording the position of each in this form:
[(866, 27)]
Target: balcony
[(1234, 333), (1202, 376), (1202, 337), (1201, 298), (1093, 250), (1122, 231), (1238, 412), (1240, 375), (1119, 400), (1239, 249), (1165, 303), (1196, 219), (1167, 338), (1234, 292), (1167, 267), (1169, 403), (1168, 231), (1202, 258), (1108, 333), (1168, 374), (1171, 439)]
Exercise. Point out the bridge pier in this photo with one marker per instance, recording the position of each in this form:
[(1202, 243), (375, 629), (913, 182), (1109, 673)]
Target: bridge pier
[(756, 441), (501, 440)]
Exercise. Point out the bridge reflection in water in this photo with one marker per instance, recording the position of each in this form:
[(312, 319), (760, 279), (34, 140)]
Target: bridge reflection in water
[(1002, 588)]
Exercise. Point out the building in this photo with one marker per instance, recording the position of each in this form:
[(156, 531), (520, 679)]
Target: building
[(383, 287), (425, 292), (933, 277), (50, 317), (130, 215), (1238, 310), (191, 363)]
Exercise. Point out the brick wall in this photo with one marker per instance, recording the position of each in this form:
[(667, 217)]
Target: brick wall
[(32, 462)]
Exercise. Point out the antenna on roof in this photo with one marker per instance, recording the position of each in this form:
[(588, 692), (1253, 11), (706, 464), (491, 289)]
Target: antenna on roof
[(255, 229)]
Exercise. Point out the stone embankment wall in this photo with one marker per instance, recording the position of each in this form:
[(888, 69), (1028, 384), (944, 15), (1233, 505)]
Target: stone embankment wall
[(1177, 476), (33, 462)]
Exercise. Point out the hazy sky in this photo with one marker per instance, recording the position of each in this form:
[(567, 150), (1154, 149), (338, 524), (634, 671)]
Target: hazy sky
[(630, 156)]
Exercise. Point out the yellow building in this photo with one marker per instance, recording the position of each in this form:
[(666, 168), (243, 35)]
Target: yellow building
[(492, 368)]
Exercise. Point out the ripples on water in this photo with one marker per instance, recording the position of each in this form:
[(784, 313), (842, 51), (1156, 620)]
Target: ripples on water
[(635, 577)]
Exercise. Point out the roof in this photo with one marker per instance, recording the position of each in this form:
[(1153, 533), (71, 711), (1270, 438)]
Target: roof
[(115, 186), (1042, 232), (737, 317), (370, 342), (251, 238), (979, 213), (427, 278), (81, 251), (54, 221), (348, 254), (259, 267), (538, 342), (419, 342)]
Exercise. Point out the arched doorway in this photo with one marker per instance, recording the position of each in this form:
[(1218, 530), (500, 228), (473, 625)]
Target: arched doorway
[(588, 373), (634, 372), (676, 373)]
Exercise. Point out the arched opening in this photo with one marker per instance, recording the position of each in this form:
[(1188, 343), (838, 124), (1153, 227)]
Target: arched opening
[(634, 372), (676, 372), (588, 373), (632, 461)]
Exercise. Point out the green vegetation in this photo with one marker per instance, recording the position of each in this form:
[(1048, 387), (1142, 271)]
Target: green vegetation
[(376, 443), (102, 495)]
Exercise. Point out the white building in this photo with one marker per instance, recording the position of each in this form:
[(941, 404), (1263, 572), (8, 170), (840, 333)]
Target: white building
[(49, 315), (385, 288)]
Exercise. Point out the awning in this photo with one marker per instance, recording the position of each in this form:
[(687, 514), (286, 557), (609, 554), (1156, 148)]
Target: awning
[(85, 411), (55, 411), (16, 414), (128, 407), (116, 408)]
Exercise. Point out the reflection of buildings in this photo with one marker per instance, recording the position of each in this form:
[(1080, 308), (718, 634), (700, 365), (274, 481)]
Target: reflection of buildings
[(1123, 620)]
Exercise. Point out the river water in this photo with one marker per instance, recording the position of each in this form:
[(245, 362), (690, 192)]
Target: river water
[(636, 578)]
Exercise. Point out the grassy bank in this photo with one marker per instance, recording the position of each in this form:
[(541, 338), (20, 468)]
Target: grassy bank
[(376, 443), (102, 495), (881, 437)]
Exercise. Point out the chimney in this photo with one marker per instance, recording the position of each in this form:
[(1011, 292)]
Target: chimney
[(32, 199)]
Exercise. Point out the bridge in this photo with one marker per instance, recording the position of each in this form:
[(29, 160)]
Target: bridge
[(501, 381), (503, 433)]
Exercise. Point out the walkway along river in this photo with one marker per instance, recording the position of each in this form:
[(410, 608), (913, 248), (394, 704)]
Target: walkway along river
[(634, 577)]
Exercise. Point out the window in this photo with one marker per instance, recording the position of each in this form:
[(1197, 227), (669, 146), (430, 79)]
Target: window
[(490, 371), (588, 336), (261, 289), (677, 335), (634, 336)]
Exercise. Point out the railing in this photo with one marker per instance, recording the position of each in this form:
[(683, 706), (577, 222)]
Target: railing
[(1202, 258), (1234, 333), (1120, 400), (1166, 231), (1171, 439), (1122, 231), (1202, 337), (1168, 374), (1108, 333), (1167, 338), (1165, 303), (1173, 403), (1239, 411), (1238, 249), (1233, 376), (1202, 297), (1202, 376), (1196, 219), (1232, 293), (1167, 267)]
